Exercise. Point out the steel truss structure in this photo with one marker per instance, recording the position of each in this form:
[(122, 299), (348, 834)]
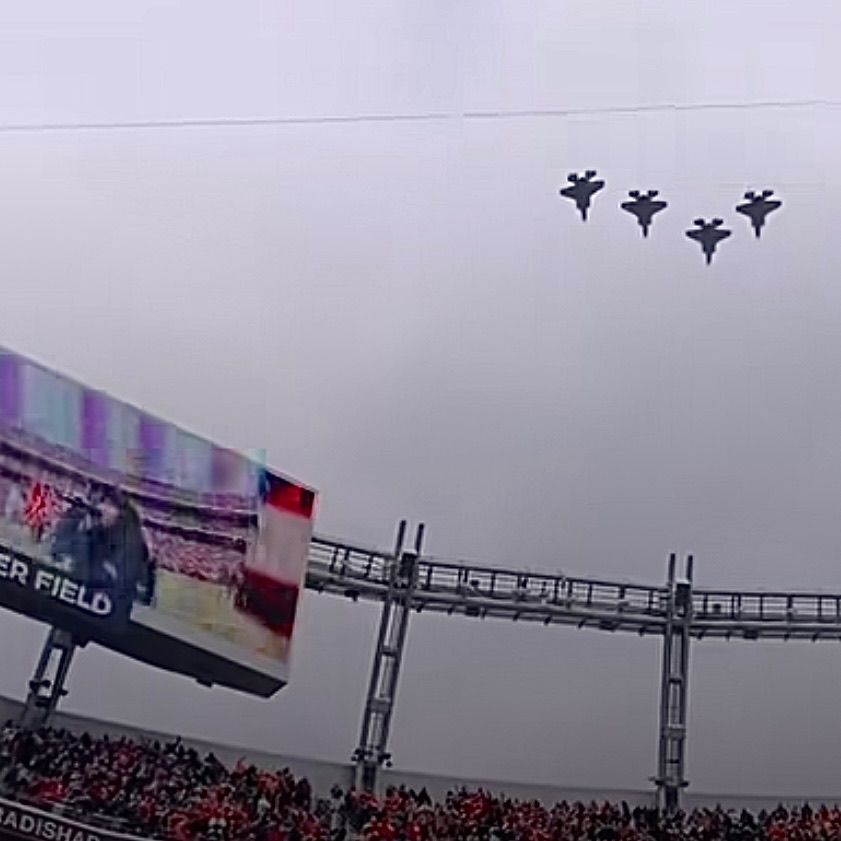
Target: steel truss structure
[(388, 657), (47, 687), (677, 611), (405, 581)]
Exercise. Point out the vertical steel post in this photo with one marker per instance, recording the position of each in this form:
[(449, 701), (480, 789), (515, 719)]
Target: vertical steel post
[(47, 686), (372, 752), (674, 689)]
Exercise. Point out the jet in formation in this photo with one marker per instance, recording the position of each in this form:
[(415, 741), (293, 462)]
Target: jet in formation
[(709, 235), (581, 190), (757, 207), (644, 207)]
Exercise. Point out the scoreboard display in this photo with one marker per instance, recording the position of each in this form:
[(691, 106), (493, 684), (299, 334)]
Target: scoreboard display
[(136, 534)]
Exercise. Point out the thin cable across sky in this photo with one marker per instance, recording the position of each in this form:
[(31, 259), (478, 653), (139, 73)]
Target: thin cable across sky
[(431, 116)]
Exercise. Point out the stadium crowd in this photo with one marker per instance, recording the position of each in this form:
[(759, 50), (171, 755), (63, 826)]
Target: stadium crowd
[(40, 498), (170, 791)]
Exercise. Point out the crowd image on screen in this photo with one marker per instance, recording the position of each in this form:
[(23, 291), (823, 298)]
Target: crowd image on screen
[(95, 535), (169, 790), (108, 538)]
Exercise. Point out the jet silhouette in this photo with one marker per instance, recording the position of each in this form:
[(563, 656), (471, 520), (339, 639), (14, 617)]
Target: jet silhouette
[(757, 208), (582, 189), (644, 207), (709, 235)]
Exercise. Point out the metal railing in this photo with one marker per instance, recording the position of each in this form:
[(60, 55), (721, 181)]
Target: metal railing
[(488, 592)]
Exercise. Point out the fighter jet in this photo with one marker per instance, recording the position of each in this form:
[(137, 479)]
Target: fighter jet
[(757, 208), (644, 207), (709, 235), (582, 189)]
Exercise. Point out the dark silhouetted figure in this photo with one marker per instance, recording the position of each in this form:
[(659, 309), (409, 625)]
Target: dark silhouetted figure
[(644, 207), (119, 556), (582, 189), (758, 207), (69, 539), (709, 235)]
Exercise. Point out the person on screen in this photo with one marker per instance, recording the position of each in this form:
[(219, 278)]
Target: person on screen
[(13, 509), (69, 543), (149, 573), (74, 536), (39, 508), (118, 547)]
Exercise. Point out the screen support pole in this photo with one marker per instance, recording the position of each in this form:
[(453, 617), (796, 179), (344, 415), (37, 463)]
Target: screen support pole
[(47, 686), (372, 752), (674, 690)]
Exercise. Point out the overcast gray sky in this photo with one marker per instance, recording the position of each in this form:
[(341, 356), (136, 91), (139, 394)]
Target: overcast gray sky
[(408, 317)]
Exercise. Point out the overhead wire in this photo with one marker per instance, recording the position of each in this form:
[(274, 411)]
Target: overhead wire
[(428, 117)]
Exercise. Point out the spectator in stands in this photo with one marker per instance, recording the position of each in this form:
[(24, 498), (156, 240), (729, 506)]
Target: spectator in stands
[(14, 505), (170, 791), (39, 507)]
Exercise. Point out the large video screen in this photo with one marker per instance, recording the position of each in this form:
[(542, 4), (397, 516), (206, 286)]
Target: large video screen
[(115, 519)]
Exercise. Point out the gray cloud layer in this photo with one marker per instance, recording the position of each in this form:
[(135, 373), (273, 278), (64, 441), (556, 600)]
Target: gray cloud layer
[(408, 317)]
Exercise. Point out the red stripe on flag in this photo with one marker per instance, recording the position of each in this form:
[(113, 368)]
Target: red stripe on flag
[(273, 603)]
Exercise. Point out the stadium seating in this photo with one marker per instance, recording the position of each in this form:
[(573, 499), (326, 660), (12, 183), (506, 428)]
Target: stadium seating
[(170, 791), (207, 561)]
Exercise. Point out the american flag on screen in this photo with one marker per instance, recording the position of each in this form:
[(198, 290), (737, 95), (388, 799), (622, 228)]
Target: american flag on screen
[(274, 572), (282, 495)]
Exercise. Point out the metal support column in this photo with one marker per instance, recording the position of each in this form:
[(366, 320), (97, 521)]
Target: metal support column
[(372, 752), (46, 688), (674, 690)]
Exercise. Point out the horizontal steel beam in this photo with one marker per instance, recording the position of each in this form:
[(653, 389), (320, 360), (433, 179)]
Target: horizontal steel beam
[(483, 592)]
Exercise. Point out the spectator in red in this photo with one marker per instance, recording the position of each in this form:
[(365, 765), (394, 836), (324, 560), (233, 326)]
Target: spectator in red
[(39, 508), (174, 793)]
